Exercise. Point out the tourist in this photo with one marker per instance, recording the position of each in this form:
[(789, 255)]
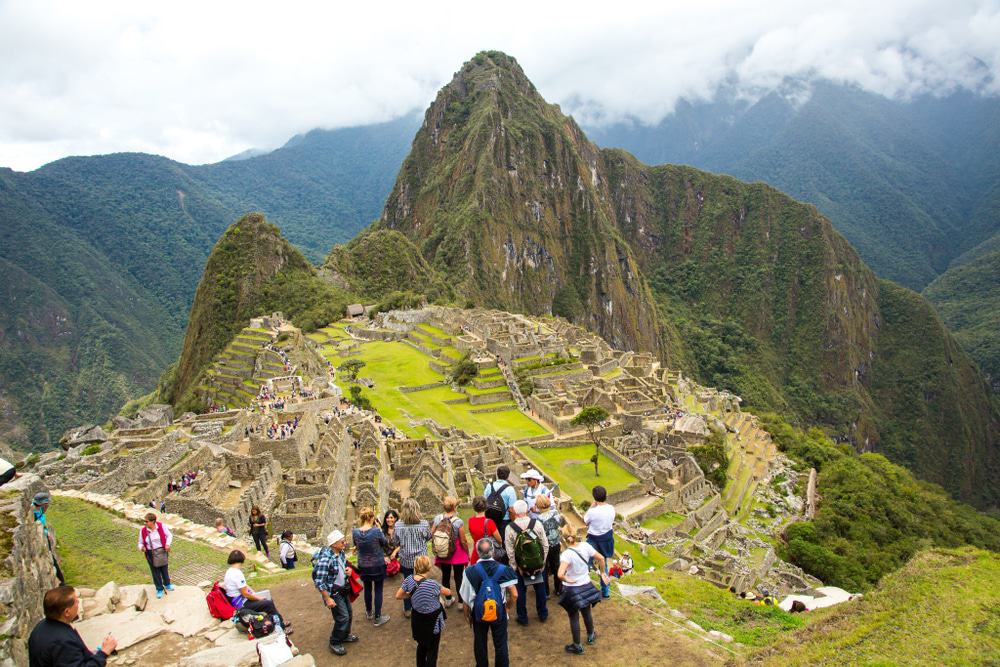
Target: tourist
[(600, 520), (55, 643), (286, 552), (527, 547), (8, 471), (448, 544), (391, 550), (154, 542), (242, 596), (579, 594), (412, 535), (221, 527), (493, 584), (552, 522), (481, 526), (533, 488), (258, 530), (330, 578), (500, 495), (369, 541), (39, 506), (427, 622), (626, 563)]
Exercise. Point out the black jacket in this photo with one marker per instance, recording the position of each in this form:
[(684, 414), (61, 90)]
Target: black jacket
[(56, 644)]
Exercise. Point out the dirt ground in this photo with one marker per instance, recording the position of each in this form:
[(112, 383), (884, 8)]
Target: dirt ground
[(624, 635)]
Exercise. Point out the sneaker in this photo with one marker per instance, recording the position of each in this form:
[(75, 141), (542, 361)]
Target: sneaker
[(169, 587), (592, 637), (159, 594), (381, 620), (351, 639), (448, 601), (338, 649), (406, 613), (369, 615), (576, 649)]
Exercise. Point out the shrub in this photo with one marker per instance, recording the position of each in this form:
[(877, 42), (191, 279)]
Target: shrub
[(91, 449), (463, 371)]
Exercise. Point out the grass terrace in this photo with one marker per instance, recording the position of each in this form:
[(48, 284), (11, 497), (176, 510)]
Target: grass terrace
[(571, 467), (394, 364), (663, 521)]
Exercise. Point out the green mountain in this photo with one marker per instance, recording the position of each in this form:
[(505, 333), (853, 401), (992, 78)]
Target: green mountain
[(502, 193), (251, 271), (907, 182), (755, 292), (104, 255)]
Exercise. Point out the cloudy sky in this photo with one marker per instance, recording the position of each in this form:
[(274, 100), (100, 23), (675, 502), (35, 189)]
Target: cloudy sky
[(199, 81)]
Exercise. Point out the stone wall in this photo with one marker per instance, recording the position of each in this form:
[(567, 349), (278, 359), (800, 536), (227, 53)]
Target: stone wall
[(26, 573)]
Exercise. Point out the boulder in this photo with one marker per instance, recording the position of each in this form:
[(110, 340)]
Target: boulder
[(722, 636), (304, 660), (184, 608), (82, 435), (135, 597), (158, 414), (106, 599), (129, 627), (85, 592), (241, 654), (120, 422)]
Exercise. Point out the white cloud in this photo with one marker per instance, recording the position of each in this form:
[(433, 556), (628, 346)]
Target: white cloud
[(200, 81)]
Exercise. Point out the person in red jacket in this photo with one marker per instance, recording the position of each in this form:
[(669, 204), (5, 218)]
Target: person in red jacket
[(55, 643)]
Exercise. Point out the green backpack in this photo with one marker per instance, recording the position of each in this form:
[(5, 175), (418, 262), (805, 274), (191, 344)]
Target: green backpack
[(528, 553)]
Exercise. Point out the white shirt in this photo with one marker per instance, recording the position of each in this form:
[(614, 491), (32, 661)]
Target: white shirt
[(286, 551), (234, 581), (153, 537), (531, 494), (5, 465), (578, 572), (599, 519)]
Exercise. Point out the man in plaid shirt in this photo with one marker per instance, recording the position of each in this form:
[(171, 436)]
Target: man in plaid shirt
[(330, 577)]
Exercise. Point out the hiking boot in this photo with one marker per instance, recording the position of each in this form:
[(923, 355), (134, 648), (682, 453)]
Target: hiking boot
[(381, 620), (338, 649), (575, 649), (351, 639), (592, 637)]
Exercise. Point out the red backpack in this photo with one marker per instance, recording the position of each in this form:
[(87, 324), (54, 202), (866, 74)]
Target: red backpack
[(218, 604)]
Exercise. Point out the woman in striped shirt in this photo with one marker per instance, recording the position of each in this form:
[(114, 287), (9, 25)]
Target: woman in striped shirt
[(412, 534), (427, 622)]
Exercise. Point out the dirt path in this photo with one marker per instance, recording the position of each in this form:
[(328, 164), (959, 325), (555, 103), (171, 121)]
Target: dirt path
[(625, 637)]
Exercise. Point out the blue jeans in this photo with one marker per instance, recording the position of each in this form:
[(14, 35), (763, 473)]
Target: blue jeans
[(541, 604), (406, 572), (604, 545), (499, 630)]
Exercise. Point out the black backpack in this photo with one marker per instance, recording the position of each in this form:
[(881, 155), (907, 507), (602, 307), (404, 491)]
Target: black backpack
[(496, 508), (257, 624)]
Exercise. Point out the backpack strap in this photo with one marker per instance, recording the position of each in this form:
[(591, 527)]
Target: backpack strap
[(580, 556)]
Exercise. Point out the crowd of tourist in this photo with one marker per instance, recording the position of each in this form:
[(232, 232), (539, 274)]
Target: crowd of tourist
[(184, 482), (282, 430)]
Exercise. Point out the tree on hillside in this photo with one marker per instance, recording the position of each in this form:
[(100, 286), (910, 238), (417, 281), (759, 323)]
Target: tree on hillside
[(350, 369), (590, 418)]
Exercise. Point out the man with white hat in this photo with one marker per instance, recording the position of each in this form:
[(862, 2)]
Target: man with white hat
[(330, 577), (534, 487)]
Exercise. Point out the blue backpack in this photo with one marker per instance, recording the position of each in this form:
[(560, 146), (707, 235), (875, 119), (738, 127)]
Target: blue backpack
[(488, 607)]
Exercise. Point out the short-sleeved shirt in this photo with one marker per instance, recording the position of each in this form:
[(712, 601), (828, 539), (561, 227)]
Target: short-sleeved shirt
[(473, 578), (233, 582), (600, 519), (509, 494), (532, 494), (412, 540), (461, 556), (577, 558), (425, 598)]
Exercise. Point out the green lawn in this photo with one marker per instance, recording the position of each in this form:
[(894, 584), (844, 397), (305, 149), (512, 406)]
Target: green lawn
[(97, 547), (394, 364), (571, 467), (663, 521)]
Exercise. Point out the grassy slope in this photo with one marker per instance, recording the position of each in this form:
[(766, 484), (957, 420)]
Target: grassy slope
[(941, 608)]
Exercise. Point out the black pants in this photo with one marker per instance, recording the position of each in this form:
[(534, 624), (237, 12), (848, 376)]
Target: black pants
[(342, 617), (7, 476), (161, 577), (260, 541), (373, 589), (264, 607), (541, 600), (427, 650), (552, 567), (446, 570), (499, 630), (574, 622)]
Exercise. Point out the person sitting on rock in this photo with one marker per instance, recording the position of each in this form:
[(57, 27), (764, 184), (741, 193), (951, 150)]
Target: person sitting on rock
[(55, 643), (242, 597)]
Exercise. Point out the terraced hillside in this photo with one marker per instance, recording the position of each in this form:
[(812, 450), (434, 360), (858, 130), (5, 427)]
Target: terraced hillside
[(237, 372)]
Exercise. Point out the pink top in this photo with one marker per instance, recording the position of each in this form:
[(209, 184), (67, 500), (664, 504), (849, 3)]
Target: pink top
[(461, 556)]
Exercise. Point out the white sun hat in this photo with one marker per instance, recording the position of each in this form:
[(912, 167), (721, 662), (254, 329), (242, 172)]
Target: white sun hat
[(334, 537), (533, 474)]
